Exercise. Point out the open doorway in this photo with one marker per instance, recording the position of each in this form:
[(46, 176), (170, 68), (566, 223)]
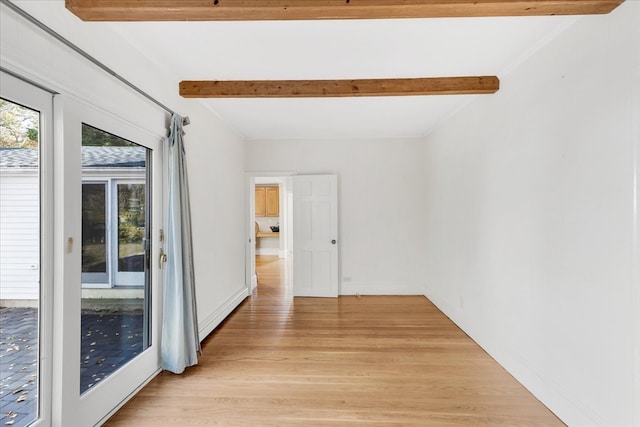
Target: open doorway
[(269, 222), (270, 217)]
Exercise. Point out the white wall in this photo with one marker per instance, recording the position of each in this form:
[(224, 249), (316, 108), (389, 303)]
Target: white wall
[(215, 155), (216, 177), (380, 202), (530, 220)]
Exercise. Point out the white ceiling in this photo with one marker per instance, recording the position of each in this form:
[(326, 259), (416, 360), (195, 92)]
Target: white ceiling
[(325, 50)]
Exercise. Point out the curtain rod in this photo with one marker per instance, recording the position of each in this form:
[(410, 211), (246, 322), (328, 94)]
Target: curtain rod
[(27, 80), (85, 55)]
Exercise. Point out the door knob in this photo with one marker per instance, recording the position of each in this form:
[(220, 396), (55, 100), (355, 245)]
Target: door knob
[(333, 242)]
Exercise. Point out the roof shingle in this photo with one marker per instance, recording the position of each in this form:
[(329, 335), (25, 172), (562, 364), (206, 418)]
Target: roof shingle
[(92, 157)]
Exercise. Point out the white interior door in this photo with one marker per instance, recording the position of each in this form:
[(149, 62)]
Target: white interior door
[(315, 235)]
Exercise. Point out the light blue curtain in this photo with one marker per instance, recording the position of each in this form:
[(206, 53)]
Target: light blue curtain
[(180, 342)]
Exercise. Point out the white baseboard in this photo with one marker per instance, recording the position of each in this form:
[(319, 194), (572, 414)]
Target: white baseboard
[(379, 288), (443, 306), (282, 254), (548, 392), (254, 283), (212, 321)]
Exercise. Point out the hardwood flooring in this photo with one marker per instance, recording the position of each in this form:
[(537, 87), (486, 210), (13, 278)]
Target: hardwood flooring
[(375, 361)]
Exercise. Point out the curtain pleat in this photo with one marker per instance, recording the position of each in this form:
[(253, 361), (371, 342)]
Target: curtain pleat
[(180, 343)]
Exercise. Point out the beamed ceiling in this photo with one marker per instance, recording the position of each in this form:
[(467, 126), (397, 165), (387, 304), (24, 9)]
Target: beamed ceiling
[(324, 68)]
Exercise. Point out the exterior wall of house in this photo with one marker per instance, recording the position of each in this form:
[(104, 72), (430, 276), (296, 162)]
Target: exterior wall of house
[(531, 220), (380, 204), (19, 238)]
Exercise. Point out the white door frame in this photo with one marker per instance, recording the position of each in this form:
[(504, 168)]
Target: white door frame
[(251, 279)]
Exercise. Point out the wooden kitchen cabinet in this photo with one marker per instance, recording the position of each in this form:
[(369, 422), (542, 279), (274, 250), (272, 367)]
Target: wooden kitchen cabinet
[(273, 201), (261, 201), (267, 201)]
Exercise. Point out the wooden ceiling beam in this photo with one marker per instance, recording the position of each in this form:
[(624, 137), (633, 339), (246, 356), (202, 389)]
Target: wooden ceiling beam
[(339, 88), (257, 10)]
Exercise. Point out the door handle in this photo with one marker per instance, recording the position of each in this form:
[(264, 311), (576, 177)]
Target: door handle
[(333, 242), (163, 258)]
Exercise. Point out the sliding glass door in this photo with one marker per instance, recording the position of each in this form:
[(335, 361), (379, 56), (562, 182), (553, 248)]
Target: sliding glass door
[(111, 322), (77, 266), (25, 253)]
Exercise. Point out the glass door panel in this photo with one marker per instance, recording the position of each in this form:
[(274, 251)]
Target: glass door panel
[(20, 260), (114, 318)]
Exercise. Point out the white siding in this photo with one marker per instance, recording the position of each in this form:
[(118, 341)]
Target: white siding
[(19, 237)]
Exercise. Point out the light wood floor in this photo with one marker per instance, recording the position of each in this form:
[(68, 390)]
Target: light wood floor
[(374, 361)]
